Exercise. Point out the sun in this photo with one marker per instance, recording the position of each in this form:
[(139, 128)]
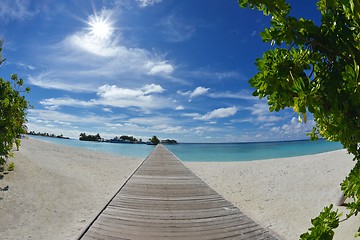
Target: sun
[(100, 26)]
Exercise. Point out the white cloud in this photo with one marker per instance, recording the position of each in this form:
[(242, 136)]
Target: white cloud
[(22, 65), (242, 120), (244, 94), (277, 125), (197, 92), (159, 68), (261, 108), (192, 115), (51, 116), (81, 60), (151, 120), (292, 129), (179, 108), (15, 10), (131, 125), (219, 113), (176, 29), (184, 93), (275, 129), (263, 115), (124, 97), (146, 3), (170, 129), (54, 103), (91, 44), (201, 130), (269, 118), (112, 124), (113, 96), (153, 124), (210, 74), (152, 88), (71, 125), (107, 109), (51, 80)]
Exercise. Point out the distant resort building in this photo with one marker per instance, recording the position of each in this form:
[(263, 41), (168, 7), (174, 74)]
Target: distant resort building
[(118, 140)]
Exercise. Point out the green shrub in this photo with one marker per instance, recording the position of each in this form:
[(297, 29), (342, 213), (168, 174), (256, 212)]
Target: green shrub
[(11, 166)]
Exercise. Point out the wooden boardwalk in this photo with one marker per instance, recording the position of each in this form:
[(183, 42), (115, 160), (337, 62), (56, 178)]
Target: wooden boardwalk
[(163, 199)]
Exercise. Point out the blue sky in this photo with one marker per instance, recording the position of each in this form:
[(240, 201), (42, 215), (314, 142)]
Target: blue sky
[(174, 69)]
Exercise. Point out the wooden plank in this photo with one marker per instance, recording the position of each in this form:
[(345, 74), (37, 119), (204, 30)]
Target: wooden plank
[(163, 199), (178, 225)]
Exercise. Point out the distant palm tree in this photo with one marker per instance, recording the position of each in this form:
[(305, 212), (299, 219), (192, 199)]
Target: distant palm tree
[(154, 140)]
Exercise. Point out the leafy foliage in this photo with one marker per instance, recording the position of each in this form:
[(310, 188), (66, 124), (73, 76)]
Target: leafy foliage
[(323, 225), (154, 140), (18, 144), (128, 138), (169, 141), (11, 166), (94, 138), (315, 68), (13, 108), (45, 134)]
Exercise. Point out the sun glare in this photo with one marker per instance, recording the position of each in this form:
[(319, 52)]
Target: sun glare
[(100, 26)]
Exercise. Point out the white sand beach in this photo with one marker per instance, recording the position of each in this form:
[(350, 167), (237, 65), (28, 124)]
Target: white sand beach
[(283, 194), (55, 191)]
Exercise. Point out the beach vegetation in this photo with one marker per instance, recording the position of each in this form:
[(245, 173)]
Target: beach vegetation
[(11, 166), (154, 140), (125, 139), (52, 135), (18, 144), (169, 141), (128, 138), (313, 67), (94, 138), (13, 106)]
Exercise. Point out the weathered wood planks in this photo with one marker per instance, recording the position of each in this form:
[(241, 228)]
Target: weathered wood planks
[(163, 199)]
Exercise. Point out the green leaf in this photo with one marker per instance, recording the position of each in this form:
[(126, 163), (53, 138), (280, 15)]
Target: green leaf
[(323, 225), (12, 115), (316, 68)]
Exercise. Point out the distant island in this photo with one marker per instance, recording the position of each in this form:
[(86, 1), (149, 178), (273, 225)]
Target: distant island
[(169, 141), (47, 135), (154, 141), (92, 138), (125, 139)]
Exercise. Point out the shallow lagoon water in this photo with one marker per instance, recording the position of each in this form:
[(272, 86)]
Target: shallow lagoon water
[(250, 151), (210, 152), (129, 150)]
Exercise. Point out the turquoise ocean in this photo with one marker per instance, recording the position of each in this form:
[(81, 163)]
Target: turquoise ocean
[(209, 152)]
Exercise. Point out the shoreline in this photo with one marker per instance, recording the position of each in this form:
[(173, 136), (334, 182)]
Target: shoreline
[(248, 151), (56, 190)]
